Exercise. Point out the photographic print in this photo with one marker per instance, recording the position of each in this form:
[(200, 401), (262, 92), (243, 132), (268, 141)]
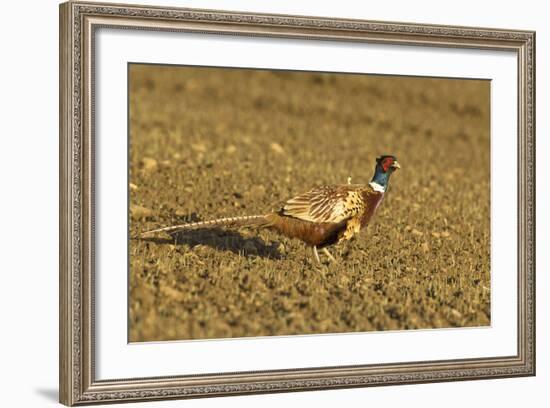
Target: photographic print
[(256, 203), (269, 203)]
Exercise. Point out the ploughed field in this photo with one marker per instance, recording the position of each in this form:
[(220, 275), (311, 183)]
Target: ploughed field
[(212, 143)]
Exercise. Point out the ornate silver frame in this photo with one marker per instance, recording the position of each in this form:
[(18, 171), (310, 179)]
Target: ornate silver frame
[(78, 22)]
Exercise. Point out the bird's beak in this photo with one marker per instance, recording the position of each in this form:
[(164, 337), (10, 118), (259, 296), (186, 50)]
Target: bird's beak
[(396, 165)]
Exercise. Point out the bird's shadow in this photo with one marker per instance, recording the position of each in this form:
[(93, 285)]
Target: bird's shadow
[(221, 240)]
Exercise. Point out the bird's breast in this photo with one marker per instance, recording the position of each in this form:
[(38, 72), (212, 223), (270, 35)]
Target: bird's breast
[(372, 202)]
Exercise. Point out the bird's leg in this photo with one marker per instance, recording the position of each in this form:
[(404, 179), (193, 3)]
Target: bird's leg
[(329, 255), (316, 255)]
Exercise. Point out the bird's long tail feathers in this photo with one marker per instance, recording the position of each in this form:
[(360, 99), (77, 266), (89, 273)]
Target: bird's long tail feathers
[(229, 222)]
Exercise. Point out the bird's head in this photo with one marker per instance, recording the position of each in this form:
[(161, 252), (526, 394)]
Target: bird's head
[(387, 163), (385, 166)]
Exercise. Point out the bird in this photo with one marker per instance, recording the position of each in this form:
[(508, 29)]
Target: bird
[(321, 217)]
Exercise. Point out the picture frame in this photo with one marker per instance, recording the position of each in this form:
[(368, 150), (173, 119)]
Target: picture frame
[(79, 23)]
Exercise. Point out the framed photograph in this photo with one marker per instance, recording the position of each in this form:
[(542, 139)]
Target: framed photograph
[(258, 203)]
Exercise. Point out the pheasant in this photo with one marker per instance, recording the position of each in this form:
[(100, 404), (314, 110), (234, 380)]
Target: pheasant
[(321, 217)]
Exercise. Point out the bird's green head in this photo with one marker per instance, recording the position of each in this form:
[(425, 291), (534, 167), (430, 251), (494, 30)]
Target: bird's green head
[(385, 166)]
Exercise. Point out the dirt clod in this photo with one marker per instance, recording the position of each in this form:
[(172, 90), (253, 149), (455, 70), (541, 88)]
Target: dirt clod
[(148, 163)]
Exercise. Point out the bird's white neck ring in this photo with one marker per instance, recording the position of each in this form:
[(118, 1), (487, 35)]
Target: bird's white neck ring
[(377, 187)]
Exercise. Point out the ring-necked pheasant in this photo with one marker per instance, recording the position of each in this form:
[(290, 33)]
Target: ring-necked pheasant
[(321, 217)]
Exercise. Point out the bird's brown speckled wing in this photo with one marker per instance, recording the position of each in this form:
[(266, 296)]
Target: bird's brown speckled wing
[(327, 203)]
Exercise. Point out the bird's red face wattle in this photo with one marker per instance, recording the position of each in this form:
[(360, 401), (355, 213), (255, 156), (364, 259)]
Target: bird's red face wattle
[(386, 163)]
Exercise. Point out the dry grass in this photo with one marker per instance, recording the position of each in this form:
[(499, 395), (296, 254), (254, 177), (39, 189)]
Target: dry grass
[(209, 143)]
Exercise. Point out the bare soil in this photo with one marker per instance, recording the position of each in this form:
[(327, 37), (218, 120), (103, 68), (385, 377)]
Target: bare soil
[(212, 142)]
